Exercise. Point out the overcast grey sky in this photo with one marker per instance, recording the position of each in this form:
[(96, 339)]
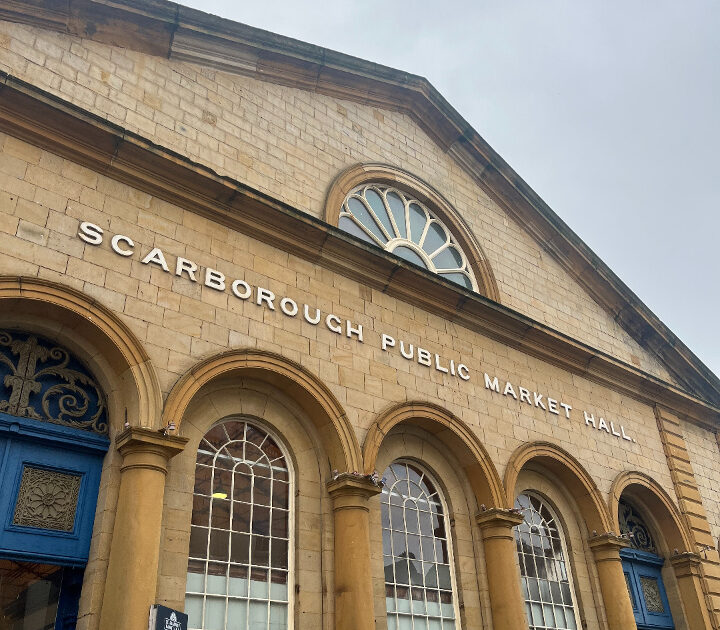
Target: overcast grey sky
[(609, 109)]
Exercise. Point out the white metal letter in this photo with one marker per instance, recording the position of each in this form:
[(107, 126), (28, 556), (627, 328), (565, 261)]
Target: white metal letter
[(214, 279), (492, 384), (183, 264), (289, 307), (156, 256), (333, 323), (311, 320), (350, 331), (90, 233), (115, 244), (263, 295), (247, 291), (387, 342)]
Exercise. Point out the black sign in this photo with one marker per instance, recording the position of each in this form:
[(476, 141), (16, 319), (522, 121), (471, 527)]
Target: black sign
[(164, 618)]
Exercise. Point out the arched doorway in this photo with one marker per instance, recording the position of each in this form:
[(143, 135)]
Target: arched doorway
[(642, 565), (53, 437)]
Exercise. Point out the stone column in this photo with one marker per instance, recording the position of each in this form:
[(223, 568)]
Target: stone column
[(688, 572), (134, 552), (354, 605), (506, 600), (613, 586)]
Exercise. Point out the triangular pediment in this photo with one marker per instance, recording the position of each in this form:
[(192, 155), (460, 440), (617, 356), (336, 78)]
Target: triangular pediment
[(175, 32)]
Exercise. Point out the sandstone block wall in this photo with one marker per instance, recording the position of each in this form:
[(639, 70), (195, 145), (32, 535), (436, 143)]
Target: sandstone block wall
[(291, 144)]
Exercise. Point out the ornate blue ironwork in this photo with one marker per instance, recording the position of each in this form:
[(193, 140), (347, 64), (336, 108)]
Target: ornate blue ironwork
[(45, 382), (634, 528)]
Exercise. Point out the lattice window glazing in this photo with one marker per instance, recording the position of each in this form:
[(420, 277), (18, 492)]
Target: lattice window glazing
[(240, 563), (419, 577), (395, 221), (545, 578)]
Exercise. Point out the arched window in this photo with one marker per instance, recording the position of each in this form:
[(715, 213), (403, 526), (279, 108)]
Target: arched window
[(419, 576), (240, 563), (545, 576), (399, 223)]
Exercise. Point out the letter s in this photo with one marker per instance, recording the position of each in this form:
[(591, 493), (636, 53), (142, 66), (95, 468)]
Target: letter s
[(91, 233)]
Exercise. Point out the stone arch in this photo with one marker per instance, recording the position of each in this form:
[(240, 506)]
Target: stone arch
[(317, 401), (397, 177), (94, 333), (577, 480), (654, 499), (451, 431)]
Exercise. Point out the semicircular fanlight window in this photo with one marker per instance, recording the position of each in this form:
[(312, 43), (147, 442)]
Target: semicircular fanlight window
[(393, 220)]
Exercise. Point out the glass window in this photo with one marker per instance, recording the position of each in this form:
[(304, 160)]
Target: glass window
[(393, 220), (545, 576), (240, 563), (419, 575)]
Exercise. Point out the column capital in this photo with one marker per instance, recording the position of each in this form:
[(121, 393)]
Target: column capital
[(146, 448), (686, 564), (348, 490), (498, 522), (607, 546)]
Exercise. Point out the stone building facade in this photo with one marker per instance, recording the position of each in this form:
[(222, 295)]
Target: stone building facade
[(229, 390)]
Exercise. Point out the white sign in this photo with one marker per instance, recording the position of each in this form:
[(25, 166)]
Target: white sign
[(212, 278)]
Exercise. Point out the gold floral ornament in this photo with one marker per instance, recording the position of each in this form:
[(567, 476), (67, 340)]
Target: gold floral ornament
[(45, 382), (47, 499)]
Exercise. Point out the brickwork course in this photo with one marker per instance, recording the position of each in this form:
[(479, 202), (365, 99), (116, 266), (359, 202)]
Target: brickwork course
[(266, 136)]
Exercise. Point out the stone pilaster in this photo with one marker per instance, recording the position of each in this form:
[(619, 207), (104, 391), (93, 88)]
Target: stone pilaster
[(506, 600), (689, 574), (616, 598), (354, 608), (133, 566), (707, 575)]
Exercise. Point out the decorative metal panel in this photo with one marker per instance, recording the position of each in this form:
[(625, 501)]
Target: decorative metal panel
[(651, 593), (44, 381), (47, 499), (634, 528)]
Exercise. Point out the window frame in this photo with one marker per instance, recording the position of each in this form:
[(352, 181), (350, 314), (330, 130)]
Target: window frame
[(292, 535), (449, 528), (366, 173), (405, 237), (554, 512)]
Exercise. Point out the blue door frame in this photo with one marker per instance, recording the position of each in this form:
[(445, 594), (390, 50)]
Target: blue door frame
[(647, 591), (27, 443)]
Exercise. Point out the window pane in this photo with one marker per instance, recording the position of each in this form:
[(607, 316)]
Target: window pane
[(544, 578), (376, 203), (236, 568), (414, 567), (409, 255)]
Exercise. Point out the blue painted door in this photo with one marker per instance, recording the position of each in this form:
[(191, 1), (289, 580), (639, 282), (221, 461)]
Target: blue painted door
[(647, 591), (50, 480)]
